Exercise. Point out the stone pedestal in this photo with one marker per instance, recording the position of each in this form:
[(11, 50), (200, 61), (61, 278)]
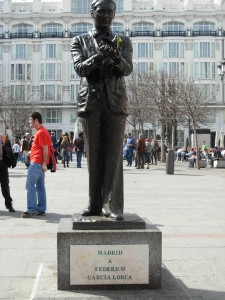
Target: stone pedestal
[(109, 258)]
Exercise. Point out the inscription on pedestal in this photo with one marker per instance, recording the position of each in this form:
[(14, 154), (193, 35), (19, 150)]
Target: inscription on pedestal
[(109, 264)]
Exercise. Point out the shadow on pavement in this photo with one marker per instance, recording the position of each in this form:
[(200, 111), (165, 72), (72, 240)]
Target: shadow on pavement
[(172, 289), (49, 217)]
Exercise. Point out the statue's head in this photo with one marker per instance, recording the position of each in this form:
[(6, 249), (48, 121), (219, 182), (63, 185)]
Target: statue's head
[(103, 12)]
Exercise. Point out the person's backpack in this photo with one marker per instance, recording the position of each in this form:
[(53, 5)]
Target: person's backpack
[(9, 158), (52, 160)]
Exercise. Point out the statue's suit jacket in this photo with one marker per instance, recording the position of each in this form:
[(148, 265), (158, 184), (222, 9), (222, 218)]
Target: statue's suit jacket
[(94, 77)]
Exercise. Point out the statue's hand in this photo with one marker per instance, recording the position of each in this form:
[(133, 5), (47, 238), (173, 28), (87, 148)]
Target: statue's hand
[(98, 58), (104, 49), (115, 55), (102, 53)]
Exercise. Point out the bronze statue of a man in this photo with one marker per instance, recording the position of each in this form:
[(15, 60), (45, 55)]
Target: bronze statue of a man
[(102, 59)]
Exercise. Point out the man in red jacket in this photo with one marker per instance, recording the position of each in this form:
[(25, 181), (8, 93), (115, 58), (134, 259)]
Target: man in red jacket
[(39, 158)]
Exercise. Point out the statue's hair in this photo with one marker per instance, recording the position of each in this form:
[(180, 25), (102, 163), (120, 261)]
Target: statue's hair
[(95, 2)]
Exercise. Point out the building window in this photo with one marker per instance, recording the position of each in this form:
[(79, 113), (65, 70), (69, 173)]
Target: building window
[(52, 116), (119, 5), (21, 51), (20, 71), (80, 28), (143, 50), (74, 89), (204, 70), (81, 6), (22, 31), (117, 27), (21, 92), (143, 26), (1, 29), (52, 28), (50, 51), (173, 26), (180, 137), (211, 116), (143, 67), (51, 71), (175, 69), (173, 50), (0, 72), (51, 92), (204, 26), (208, 91), (204, 49), (1, 52), (73, 74), (73, 118)]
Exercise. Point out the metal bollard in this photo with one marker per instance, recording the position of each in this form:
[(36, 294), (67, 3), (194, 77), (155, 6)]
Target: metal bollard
[(170, 162)]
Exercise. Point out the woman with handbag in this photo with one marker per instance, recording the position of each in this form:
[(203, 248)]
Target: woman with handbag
[(64, 147)]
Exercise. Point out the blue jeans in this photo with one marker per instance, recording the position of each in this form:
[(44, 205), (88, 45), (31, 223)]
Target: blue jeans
[(129, 155), (35, 185), (79, 157)]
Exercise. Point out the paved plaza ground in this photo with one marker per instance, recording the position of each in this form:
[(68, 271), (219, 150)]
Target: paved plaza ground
[(188, 207)]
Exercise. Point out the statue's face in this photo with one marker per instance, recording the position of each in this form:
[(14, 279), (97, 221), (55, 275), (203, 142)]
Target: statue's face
[(103, 14)]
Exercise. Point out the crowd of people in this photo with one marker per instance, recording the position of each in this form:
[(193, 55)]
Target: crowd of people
[(203, 153), (64, 147), (141, 151)]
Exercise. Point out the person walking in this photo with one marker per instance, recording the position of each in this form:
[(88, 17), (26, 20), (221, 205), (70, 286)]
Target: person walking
[(140, 148), (16, 149), (79, 148), (6, 141), (26, 145), (130, 146), (4, 180), (39, 158), (148, 148), (64, 149), (102, 59), (154, 151)]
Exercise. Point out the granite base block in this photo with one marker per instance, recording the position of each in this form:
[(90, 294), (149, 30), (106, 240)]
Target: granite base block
[(108, 259), (130, 221)]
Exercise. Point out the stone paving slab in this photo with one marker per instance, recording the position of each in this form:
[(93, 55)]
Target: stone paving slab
[(188, 207)]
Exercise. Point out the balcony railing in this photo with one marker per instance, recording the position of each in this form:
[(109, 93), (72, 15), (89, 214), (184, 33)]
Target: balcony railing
[(132, 34), (142, 33), (51, 34), (204, 33), (72, 34), (174, 33), (21, 35)]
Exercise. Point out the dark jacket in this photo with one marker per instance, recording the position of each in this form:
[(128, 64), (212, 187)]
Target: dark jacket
[(141, 145), (94, 78), (79, 144)]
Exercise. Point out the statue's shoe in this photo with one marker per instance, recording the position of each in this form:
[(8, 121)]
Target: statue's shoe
[(87, 213), (117, 217)]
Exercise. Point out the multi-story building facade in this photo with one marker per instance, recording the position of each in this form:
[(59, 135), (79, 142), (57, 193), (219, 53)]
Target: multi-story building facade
[(180, 37)]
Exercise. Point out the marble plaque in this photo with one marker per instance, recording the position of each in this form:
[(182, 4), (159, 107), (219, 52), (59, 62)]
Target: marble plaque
[(109, 264)]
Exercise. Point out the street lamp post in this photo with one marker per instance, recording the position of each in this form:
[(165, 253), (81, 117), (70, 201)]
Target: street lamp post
[(221, 69), (221, 72)]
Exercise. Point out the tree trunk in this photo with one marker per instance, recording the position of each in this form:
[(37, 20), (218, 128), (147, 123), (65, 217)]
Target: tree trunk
[(189, 133), (173, 136), (197, 150), (162, 142)]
